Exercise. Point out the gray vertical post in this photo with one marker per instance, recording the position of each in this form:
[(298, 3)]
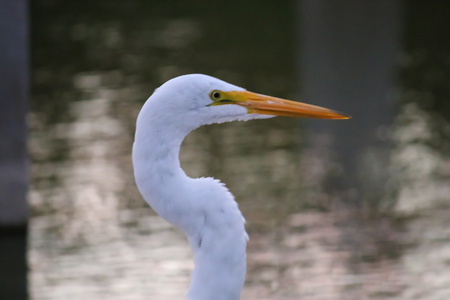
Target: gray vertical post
[(348, 55), (13, 153)]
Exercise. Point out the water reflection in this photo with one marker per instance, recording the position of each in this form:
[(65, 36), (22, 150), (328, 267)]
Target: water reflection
[(93, 237), (424, 169)]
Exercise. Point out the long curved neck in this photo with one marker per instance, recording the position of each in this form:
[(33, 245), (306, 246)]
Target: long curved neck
[(156, 162), (203, 208)]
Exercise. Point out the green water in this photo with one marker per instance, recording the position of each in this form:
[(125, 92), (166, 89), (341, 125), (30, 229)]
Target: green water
[(94, 63)]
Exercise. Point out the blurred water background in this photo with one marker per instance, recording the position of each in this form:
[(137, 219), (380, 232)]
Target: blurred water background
[(92, 236)]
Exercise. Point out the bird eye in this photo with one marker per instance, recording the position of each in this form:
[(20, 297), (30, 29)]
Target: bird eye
[(214, 95)]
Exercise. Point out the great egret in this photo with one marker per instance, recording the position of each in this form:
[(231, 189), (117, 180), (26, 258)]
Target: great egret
[(202, 208)]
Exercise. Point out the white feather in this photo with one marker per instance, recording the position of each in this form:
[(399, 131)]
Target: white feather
[(203, 208)]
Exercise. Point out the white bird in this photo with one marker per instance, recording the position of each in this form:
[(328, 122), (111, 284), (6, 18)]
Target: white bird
[(202, 208)]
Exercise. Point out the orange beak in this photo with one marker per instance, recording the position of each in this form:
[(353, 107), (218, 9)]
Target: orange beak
[(267, 105)]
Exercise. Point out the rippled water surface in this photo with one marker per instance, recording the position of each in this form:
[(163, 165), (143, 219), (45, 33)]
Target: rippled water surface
[(93, 237)]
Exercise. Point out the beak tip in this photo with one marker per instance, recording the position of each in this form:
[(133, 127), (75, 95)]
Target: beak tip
[(345, 116), (341, 116)]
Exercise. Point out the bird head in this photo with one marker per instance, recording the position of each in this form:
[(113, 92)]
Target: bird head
[(195, 100)]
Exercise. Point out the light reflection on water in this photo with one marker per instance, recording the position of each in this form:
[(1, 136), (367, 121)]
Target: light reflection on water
[(87, 242), (93, 237)]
